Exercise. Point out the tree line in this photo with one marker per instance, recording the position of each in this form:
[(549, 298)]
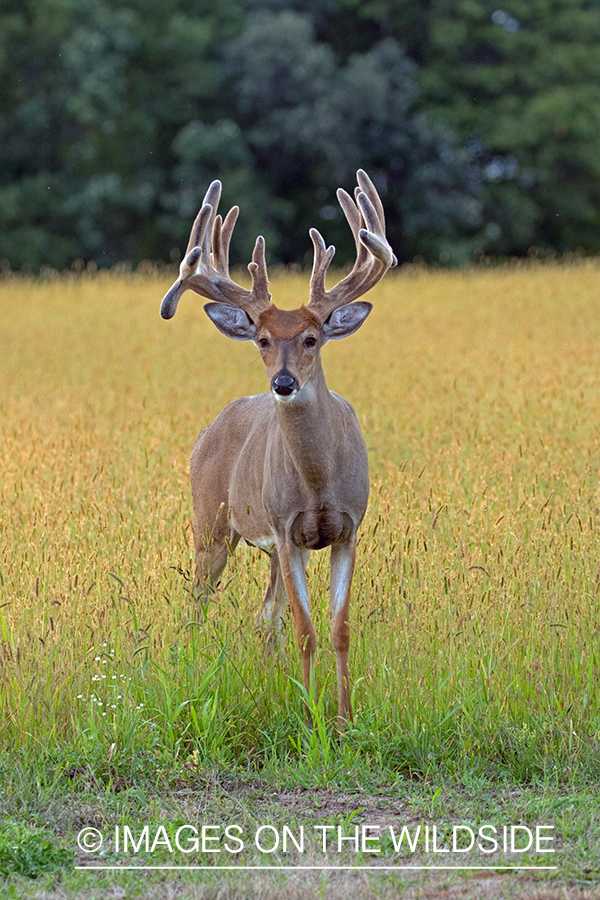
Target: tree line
[(479, 123)]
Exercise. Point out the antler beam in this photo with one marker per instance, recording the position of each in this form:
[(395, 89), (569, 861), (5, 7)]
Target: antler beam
[(374, 256), (205, 267)]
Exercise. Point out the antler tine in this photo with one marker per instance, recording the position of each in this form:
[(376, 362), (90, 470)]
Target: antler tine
[(356, 221), (367, 187), (222, 240), (199, 228), (374, 256), (205, 267), (216, 253), (258, 269), (322, 258)]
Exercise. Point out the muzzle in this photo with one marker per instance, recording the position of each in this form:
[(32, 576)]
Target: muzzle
[(284, 385)]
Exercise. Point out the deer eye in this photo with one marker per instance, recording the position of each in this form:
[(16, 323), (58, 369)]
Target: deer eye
[(310, 341), (263, 343)]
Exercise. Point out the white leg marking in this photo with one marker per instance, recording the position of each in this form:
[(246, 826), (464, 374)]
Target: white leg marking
[(298, 563), (342, 567)]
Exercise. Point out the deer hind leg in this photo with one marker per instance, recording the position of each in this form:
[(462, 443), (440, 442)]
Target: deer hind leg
[(342, 569), (270, 616), (213, 545), (293, 569)]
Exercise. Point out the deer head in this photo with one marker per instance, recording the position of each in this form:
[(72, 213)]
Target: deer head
[(289, 340)]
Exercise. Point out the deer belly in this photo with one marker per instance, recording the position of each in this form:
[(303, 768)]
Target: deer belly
[(316, 529), (268, 544)]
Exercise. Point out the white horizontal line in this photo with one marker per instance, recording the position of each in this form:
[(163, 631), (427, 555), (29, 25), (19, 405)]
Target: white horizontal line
[(321, 868)]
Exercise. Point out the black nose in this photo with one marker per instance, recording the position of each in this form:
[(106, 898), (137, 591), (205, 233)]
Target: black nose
[(284, 385)]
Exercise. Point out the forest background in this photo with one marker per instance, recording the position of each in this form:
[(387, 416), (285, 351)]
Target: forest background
[(479, 121)]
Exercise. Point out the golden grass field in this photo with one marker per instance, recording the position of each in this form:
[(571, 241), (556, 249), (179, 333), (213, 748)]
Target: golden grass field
[(475, 615)]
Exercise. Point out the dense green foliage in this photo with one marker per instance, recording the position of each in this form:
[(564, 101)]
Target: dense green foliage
[(480, 125), (30, 852), (524, 87)]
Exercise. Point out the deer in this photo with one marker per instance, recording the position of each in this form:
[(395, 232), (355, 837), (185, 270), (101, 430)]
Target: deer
[(285, 471)]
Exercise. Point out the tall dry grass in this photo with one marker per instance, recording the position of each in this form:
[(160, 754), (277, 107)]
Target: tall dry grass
[(475, 613)]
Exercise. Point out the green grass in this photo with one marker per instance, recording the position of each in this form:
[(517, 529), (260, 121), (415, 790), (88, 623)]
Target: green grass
[(30, 852), (475, 618)]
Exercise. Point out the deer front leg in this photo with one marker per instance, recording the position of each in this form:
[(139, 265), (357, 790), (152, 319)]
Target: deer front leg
[(293, 568), (342, 569)]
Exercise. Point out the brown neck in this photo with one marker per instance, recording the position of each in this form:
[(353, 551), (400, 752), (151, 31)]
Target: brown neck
[(308, 427)]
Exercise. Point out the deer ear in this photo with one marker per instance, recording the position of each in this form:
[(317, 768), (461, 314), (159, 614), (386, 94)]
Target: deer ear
[(346, 320), (231, 321)]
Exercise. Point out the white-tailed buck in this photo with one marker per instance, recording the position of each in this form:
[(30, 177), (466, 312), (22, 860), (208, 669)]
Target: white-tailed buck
[(286, 471)]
